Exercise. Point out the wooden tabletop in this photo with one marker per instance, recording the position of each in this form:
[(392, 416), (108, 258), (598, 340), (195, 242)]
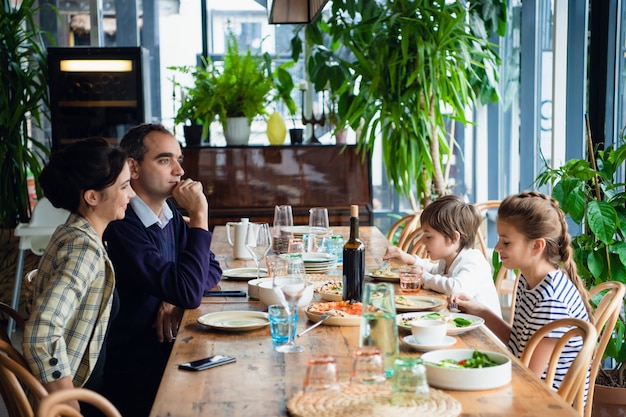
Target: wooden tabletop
[(261, 381)]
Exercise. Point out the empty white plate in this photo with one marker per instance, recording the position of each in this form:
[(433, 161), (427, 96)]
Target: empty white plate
[(447, 342)]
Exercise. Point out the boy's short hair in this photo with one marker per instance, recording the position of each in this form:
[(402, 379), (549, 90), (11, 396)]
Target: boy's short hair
[(449, 214)]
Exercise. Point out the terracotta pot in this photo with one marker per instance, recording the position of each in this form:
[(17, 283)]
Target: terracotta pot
[(608, 402)]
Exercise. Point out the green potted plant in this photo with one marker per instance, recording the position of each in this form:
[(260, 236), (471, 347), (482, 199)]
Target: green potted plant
[(587, 192), (195, 111), (415, 65), (24, 102), (242, 91)]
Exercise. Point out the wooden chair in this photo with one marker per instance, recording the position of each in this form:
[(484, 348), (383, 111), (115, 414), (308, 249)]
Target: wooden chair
[(415, 244), (54, 404), (483, 208), (406, 225), (506, 289), (17, 318), (604, 319), (15, 381), (572, 388)]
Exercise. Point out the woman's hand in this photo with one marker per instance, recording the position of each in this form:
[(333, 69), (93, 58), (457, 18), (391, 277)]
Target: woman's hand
[(393, 253)]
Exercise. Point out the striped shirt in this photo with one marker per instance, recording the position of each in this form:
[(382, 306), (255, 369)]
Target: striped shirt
[(72, 296), (555, 297)]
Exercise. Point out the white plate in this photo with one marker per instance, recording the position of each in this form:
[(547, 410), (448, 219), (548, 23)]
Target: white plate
[(386, 278), (235, 321), (318, 257), (420, 303), (243, 274), (298, 230), (466, 379), (351, 321), (447, 342), (403, 321)]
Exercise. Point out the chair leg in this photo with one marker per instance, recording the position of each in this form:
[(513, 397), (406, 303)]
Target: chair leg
[(15, 301)]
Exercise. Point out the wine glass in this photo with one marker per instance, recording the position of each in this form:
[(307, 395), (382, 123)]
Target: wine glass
[(318, 227), (291, 287), (258, 243), (283, 228)]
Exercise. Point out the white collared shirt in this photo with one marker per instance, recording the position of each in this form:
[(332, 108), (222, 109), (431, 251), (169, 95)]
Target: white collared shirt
[(147, 216)]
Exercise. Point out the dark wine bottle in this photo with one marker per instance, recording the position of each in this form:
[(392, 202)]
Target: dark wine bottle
[(353, 260)]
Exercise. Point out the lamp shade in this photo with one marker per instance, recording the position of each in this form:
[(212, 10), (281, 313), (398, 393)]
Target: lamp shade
[(293, 11)]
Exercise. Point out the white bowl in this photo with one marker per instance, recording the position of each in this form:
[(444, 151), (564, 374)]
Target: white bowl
[(466, 379), (253, 287), (268, 296)]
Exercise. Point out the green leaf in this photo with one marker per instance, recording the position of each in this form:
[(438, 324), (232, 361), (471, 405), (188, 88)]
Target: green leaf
[(596, 262), (602, 220)]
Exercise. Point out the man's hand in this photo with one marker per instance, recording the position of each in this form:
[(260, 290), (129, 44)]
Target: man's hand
[(167, 321), (189, 196)]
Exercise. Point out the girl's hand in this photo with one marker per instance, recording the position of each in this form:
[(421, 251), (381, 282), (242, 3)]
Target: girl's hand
[(466, 304), (393, 253)]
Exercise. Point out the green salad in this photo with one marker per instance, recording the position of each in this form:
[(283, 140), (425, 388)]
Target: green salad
[(478, 360)]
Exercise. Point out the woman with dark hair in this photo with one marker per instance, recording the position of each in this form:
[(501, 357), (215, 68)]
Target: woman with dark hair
[(73, 292)]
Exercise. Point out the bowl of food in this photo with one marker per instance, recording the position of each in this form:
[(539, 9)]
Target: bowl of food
[(467, 369), (269, 296), (253, 287)]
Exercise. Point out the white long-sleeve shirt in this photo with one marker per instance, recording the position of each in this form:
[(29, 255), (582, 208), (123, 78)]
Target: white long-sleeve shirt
[(470, 273)]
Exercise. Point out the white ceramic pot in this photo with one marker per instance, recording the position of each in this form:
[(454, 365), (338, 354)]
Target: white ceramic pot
[(237, 131)]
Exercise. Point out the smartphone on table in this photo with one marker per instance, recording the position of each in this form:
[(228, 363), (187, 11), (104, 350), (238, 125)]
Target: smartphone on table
[(206, 363)]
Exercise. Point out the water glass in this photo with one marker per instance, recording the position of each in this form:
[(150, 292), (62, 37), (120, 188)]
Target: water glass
[(321, 374), (410, 279), (409, 376), (296, 245), (283, 228), (335, 247), (367, 366), (279, 324), (318, 227)]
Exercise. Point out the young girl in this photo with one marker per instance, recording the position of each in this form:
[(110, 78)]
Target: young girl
[(450, 227), (533, 238)]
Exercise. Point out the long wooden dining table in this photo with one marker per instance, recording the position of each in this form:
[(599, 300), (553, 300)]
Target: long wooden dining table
[(261, 381)]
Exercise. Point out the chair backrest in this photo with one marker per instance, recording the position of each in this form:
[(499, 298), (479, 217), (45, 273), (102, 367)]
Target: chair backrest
[(407, 224), (483, 208), (19, 321), (15, 380), (54, 404), (45, 219), (507, 287), (604, 318), (572, 388), (415, 243)]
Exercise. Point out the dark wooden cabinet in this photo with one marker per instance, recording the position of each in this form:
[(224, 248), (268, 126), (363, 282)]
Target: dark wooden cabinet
[(249, 181), (97, 92)]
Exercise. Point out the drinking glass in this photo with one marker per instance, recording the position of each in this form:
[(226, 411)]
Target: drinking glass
[(283, 228), (318, 227), (367, 366), (296, 245), (291, 286), (321, 374), (258, 243)]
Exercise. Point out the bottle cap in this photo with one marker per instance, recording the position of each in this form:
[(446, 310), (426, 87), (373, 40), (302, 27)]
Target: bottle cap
[(354, 210)]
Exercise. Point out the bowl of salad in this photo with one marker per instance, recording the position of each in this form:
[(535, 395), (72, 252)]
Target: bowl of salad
[(467, 369)]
